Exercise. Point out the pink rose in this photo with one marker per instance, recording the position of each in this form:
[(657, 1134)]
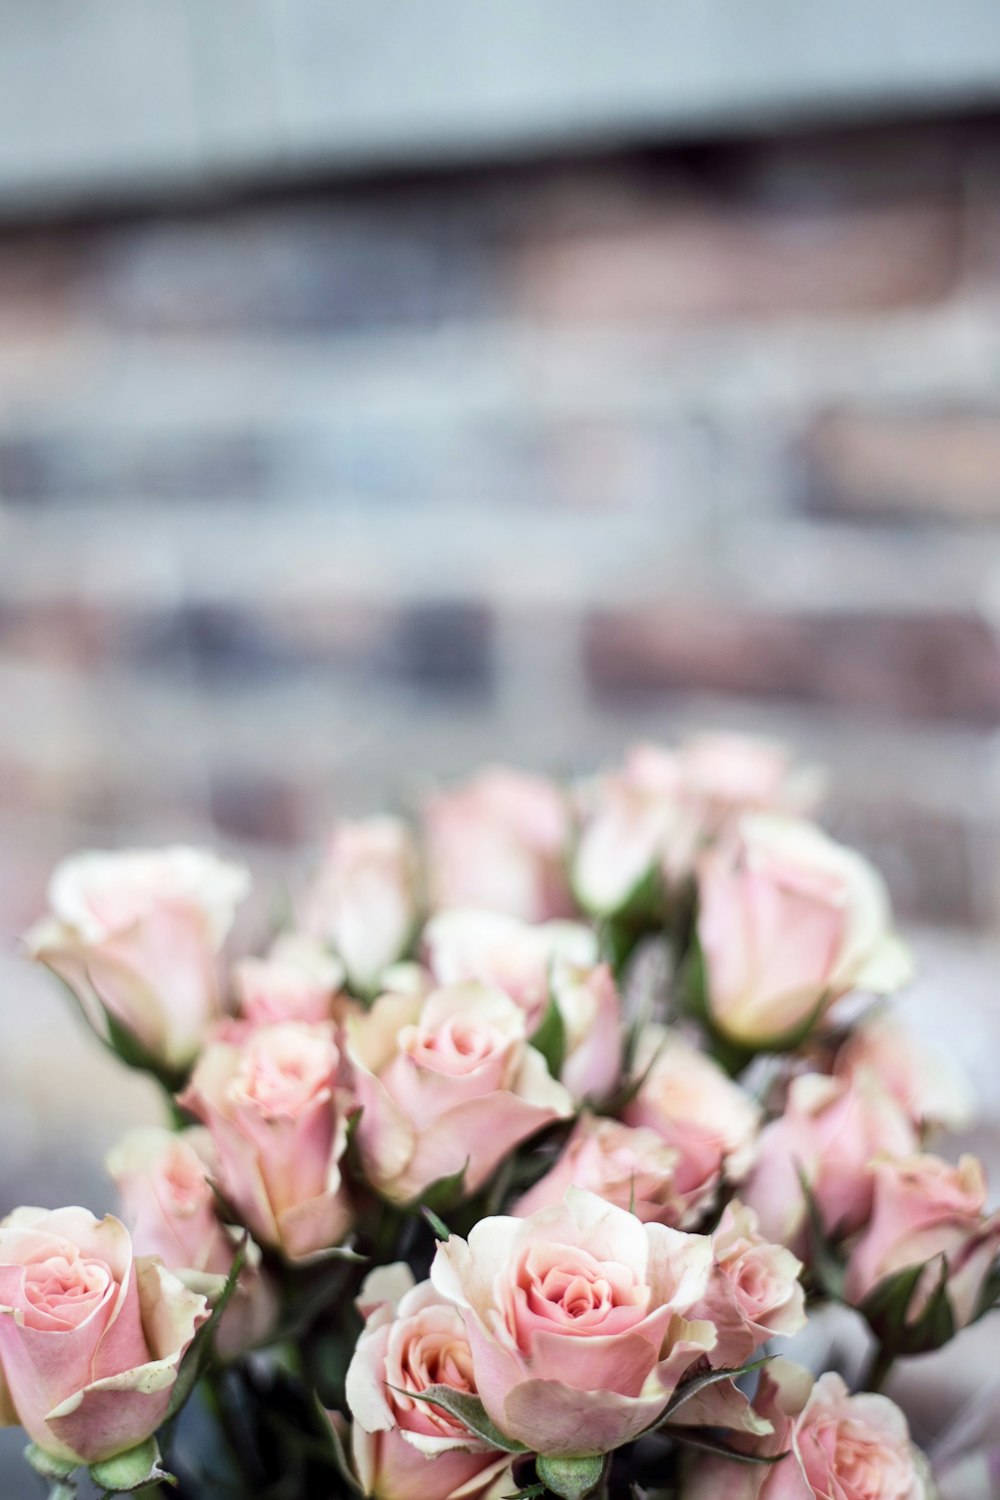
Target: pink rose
[(692, 1105), (830, 1132), (298, 981), (364, 901), (926, 1080), (164, 1182), (840, 1447), (447, 1083), (925, 1208), (788, 922), (576, 1320), (274, 1100), (404, 1448), (90, 1337), (628, 1166), (754, 1293), (499, 842), (137, 933), (726, 775)]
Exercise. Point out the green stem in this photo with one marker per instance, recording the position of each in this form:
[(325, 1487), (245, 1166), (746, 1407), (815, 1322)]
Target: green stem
[(879, 1370)]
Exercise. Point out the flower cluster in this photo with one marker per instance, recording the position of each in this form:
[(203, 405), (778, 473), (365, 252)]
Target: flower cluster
[(509, 1163)]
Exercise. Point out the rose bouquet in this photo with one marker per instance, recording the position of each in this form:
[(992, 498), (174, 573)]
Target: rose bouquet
[(510, 1167)]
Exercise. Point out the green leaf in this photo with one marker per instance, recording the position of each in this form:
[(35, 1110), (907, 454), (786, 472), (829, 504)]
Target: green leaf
[(199, 1349), (470, 1411), (132, 1470), (696, 1437), (700, 1383), (550, 1038), (571, 1478)]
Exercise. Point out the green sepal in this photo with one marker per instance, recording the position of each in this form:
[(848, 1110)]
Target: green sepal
[(550, 1038), (54, 1469), (199, 1349), (825, 1263), (132, 1470), (124, 1044), (571, 1478), (700, 1383), (440, 1195), (440, 1228), (340, 1459), (470, 1411), (887, 1305), (696, 1437)]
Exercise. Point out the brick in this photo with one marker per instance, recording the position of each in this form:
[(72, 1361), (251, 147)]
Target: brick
[(935, 666), (910, 465), (717, 260)]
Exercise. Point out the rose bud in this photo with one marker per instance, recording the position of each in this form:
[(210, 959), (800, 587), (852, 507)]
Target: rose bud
[(928, 1213), (628, 1166), (299, 980), (926, 1080), (448, 1085), (364, 902), (164, 1182), (637, 829), (695, 1108), (788, 922), (837, 1445), (404, 1448), (754, 1293), (139, 932), (91, 1338), (829, 1135), (727, 775), (274, 1102), (576, 1320), (499, 842)]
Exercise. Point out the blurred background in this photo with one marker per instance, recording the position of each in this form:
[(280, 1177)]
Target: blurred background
[(385, 388)]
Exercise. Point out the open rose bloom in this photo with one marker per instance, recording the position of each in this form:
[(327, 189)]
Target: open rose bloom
[(511, 1163)]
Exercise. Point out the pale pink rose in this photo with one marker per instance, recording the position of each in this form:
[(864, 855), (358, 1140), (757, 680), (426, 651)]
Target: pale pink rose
[(637, 827), (404, 1448), (628, 1166), (576, 1319), (830, 1133), (164, 1180), (926, 1080), (499, 841), (925, 1208), (696, 1109), (725, 775), (138, 933), (91, 1338), (840, 1447), (447, 1083), (274, 1101), (788, 922), (754, 1293), (299, 980), (365, 900), (506, 953), (590, 1009)]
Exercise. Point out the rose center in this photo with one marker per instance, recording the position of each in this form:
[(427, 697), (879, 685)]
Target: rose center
[(65, 1288)]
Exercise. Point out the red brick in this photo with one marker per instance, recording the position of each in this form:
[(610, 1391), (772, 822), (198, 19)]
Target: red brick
[(702, 260), (939, 666), (933, 465)]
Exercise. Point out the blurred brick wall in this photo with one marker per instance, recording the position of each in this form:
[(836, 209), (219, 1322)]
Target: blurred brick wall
[(307, 499)]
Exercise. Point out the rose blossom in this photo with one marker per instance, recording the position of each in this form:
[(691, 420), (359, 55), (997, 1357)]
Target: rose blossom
[(535, 965), (499, 841), (788, 922), (576, 1319), (297, 981), (725, 775), (90, 1337), (839, 1446), (139, 930), (273, 1100), (364, 900), (692, 1105), (164, 1183), (925, 1208), (625, 1165), (446, 1083), (404, 1448), (830, 1132), (925, 1079), (754, 1293)]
